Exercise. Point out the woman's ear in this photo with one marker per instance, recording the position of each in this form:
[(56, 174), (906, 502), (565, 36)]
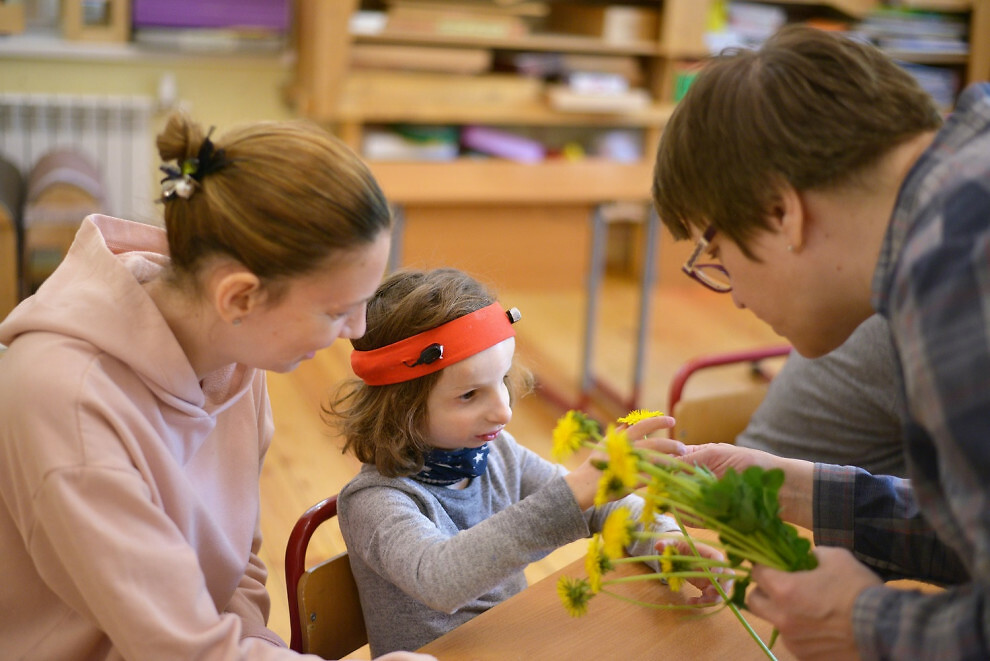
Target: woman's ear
[(236, 293), (789, 217)]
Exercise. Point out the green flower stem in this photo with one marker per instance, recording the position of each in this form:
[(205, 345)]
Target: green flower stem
[(698, 561), (663, 575), (725, 598), (672, 607), (753, 546), (740, 544)]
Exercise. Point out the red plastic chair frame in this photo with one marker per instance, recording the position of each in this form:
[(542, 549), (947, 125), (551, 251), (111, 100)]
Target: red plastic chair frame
[(688, 369), (295, 559)]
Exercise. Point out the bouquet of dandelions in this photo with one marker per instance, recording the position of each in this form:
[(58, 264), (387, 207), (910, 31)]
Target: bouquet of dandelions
[(741, 508)]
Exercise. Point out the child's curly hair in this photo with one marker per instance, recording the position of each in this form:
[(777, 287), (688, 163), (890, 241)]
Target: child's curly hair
[(385, 425)]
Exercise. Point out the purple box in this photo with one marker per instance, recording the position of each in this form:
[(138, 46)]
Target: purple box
[(502, 144), (265, 14)]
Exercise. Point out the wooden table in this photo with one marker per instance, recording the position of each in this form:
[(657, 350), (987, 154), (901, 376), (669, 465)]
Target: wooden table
[(533, 626)]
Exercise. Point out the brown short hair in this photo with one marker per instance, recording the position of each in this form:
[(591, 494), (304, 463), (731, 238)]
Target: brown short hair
[(386, 425), (810, 108), (290, 197)]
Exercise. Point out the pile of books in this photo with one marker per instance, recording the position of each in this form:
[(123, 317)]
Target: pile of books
[(479, 19), (920, 32)]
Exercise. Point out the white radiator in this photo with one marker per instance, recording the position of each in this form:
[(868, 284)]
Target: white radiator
[(113, 131)]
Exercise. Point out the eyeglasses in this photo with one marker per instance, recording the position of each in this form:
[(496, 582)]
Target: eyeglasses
[(713, 276)]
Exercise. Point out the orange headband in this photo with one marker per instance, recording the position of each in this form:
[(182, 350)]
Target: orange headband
[(437, 348)]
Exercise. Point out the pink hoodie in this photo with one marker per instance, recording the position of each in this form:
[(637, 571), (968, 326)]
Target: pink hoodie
[(128, 490)]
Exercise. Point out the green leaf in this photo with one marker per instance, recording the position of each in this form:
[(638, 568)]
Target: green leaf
[(738, 596)]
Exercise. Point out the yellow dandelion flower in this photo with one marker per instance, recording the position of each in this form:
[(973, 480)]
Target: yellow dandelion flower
[(609, 487), (592, 565), (666, 563), (617, 532), (570, 433), (668, 567), (639, 414), (575, 594), (596, 564), (649, 512), (656, 501), (621, 460)]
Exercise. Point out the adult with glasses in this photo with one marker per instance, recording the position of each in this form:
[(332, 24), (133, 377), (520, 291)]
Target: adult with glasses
[(821, 179)]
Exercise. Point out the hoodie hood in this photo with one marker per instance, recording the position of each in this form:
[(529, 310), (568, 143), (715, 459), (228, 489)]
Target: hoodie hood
[(96, 296)]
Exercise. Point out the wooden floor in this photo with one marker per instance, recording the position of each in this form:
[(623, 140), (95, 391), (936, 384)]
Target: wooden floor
[(305, 464)]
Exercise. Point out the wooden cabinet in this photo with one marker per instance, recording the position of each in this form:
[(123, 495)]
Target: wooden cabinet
[(330, 87), (329, 90)]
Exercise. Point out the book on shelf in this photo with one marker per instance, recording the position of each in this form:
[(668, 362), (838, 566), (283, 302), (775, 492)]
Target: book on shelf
[(211, 40), (368, 90), (558, 66), (530, 8), (395, 144), (466, 61), (892, 23), (502, 144), (916, 31), (564, 98), (613, 23), (923, 45), (457, 20)]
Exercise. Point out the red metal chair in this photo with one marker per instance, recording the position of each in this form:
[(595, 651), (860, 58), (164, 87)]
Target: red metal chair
[(325, 615), (721, 416)]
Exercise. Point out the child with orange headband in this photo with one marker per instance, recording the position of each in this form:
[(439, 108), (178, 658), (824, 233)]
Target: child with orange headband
[(448, 508)]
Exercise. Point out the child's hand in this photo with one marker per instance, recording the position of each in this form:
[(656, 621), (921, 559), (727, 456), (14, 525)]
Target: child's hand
[(584, 480), (639, 432), (709, 593)]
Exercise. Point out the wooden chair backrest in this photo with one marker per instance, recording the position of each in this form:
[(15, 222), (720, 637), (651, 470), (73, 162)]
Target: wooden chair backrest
[(325, 614), (332, 621), (717, 418), (720, 417)]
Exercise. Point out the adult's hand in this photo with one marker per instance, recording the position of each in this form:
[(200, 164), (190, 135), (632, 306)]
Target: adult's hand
[(709, 593), (719, 457), (795, 495), (813, 609)]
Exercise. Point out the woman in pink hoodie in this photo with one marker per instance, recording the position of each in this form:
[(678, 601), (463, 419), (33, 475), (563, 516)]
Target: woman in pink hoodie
[(134, 417)]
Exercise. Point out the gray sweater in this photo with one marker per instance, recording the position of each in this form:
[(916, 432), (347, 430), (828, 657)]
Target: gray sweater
[(427, 558), (844, 408)]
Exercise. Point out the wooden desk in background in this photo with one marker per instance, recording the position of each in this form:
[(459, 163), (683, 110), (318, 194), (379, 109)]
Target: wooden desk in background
[(533, 625), (496, 213)]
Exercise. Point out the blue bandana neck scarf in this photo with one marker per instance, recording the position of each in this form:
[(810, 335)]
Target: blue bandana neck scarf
[(446, 467)]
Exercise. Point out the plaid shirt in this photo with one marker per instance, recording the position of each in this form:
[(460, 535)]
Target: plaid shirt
[(933, 283)]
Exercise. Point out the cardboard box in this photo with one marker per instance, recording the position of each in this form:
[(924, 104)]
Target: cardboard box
[(615, 23)]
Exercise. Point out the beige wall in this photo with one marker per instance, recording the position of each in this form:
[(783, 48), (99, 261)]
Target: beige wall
[(219, 90)]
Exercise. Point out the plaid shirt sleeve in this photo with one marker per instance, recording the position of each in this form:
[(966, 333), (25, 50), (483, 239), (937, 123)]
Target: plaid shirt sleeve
[(877, 518), (933, 285)]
